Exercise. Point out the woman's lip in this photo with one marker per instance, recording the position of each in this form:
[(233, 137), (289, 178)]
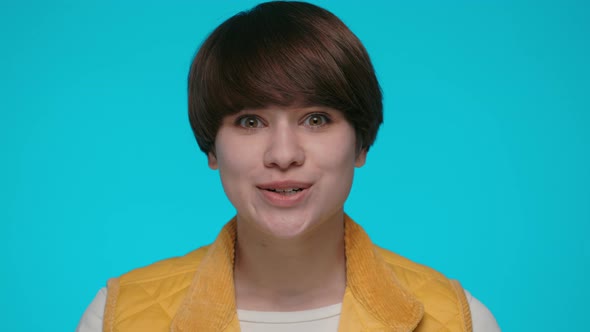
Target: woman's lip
[(282, 200), (284, 185)]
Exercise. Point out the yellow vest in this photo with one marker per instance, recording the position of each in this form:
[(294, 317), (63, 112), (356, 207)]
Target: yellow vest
[(384, 292)]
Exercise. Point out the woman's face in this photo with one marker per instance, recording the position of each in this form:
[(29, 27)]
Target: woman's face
[(286, 170)]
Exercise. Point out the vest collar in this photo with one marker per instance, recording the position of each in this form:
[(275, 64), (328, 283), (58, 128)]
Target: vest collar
[(374, 298)]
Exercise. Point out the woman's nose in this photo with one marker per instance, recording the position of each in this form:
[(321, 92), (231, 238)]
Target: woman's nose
[(283, 148)]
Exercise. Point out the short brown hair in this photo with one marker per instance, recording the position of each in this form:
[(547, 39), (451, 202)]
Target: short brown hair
[(287, 54)]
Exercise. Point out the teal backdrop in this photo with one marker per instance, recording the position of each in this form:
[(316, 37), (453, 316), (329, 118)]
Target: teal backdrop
[(481, 169)]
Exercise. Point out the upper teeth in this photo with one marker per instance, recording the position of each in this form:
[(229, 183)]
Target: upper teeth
[(287, 190)]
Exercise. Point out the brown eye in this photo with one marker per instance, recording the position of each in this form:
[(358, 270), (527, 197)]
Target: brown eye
[(316, 120), (250, 122)]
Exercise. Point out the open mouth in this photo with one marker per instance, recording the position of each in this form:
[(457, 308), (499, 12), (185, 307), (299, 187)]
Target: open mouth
[(286, 191)]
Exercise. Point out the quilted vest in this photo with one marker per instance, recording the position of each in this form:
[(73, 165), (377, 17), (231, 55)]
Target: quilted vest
[(195, 292)]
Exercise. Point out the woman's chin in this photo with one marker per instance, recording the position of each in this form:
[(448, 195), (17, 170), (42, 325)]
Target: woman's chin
[(284, 228), (283, 225)]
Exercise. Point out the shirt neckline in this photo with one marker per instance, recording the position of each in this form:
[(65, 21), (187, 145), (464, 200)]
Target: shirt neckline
[(289, 317)]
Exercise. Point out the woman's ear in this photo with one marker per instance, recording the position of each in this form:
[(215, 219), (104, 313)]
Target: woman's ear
[(361, 157), (212, 160)]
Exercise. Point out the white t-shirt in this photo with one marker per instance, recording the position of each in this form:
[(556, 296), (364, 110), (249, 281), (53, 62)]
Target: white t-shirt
[(315, 320), (320, 319)]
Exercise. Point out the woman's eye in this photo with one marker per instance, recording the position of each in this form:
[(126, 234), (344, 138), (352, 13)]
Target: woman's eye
[(316, 120), (250, 122)]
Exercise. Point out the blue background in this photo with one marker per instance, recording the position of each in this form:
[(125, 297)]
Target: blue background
[(481, 170)]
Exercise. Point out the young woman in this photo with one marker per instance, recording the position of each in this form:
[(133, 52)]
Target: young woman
[(284, 102)]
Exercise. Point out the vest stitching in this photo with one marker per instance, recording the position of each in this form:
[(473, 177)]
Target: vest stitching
[(192, 269), (153, 301), (462, 306), (139, 310), (111, 305), (160, 304), (444, 325)]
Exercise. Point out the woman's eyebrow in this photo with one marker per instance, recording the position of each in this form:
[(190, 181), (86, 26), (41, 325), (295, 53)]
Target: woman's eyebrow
[(249, 110)]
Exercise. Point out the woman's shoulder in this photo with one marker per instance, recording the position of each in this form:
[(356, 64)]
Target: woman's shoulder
[(403, 265), (416, 277), (166, 268)]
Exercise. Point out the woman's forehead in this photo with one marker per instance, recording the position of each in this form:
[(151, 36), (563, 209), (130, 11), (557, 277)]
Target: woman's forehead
[(290, 108)]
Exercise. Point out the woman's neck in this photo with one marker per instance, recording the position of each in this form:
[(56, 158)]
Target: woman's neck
[(300, 273)]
